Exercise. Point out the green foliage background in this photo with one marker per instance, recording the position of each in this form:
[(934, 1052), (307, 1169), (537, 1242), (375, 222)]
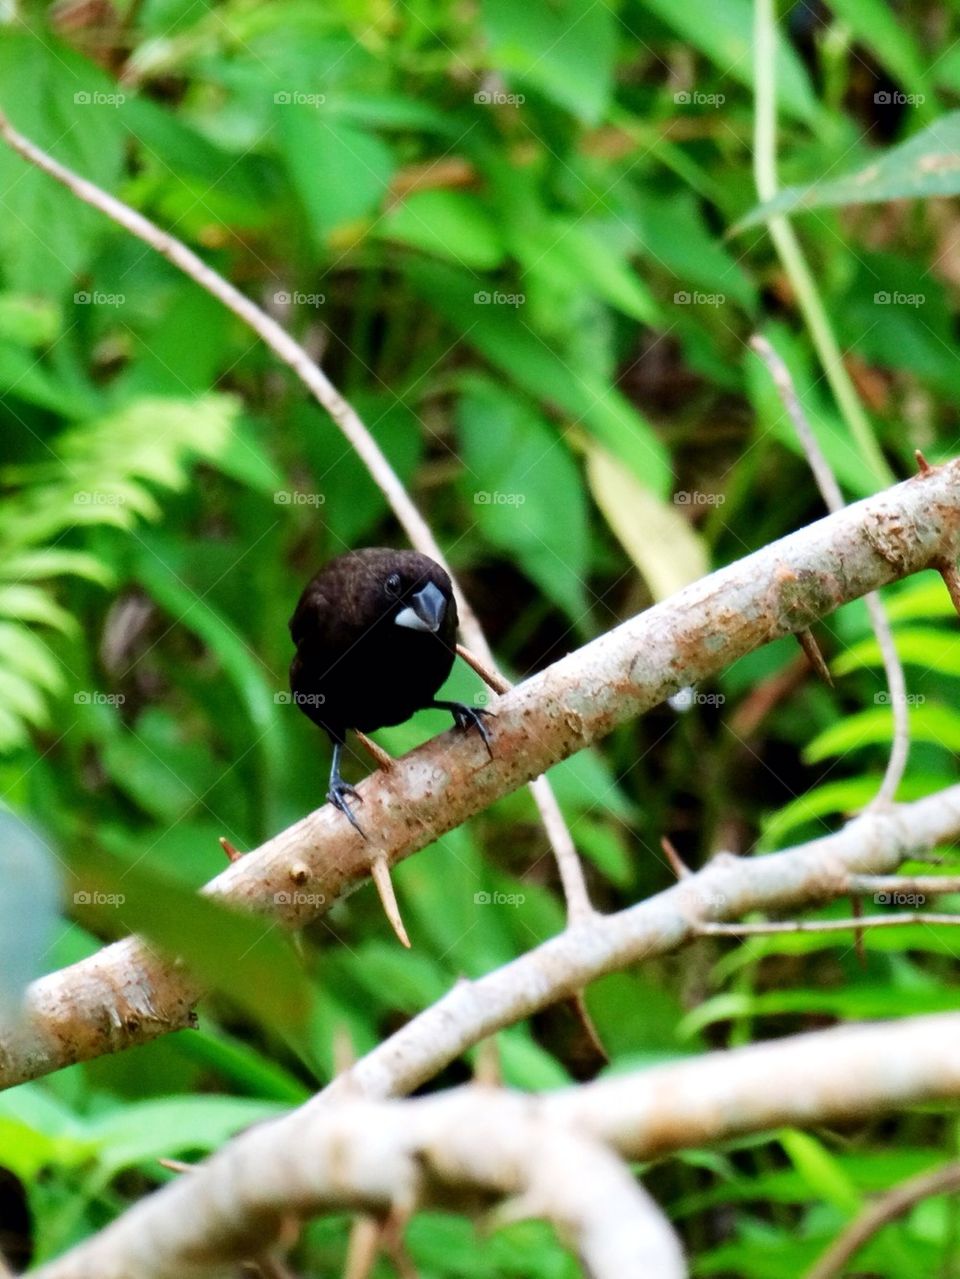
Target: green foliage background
[(505, 231)]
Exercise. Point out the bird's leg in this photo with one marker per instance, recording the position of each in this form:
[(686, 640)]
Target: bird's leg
[(339, 790), (468, 717)]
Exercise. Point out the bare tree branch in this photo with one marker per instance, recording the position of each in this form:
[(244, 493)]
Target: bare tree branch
[(554, 1156), (379, 1157), (727, 888), (894, 1204)]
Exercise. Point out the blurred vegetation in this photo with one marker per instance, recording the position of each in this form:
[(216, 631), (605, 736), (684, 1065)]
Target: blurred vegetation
[(505, 231)]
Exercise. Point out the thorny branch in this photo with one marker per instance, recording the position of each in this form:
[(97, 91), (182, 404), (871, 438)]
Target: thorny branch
[(556, 1156), (126, 994)]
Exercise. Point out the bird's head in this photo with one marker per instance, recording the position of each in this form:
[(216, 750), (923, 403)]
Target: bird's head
[(419, 598)]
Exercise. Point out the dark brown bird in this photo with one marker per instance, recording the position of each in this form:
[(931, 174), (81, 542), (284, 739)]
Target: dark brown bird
[(376, 634)]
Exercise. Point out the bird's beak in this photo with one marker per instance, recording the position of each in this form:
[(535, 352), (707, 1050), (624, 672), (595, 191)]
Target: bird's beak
[(425, 610)]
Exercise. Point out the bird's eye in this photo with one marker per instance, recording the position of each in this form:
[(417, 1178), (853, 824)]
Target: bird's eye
[(393, 584)]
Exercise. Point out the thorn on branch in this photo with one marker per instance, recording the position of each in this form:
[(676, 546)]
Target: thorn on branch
[(677, 865), (486, 1070), (233, 854), (493, 679), (951, 580), (380, 872), (923, 466), (814, 655), (380, 757)]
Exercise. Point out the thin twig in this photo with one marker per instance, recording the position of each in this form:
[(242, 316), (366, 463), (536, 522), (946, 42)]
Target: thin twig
[(920, 885), (823, 925), (832, 496), (344, 415), (891, 1206)]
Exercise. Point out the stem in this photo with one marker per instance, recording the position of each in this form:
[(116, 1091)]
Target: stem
[(791, 255)]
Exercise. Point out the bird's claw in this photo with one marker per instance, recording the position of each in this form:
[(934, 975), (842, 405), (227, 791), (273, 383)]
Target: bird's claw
[(337, 795), (472, 717)]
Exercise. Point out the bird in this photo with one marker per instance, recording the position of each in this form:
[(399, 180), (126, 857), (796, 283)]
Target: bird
[(375, 633)]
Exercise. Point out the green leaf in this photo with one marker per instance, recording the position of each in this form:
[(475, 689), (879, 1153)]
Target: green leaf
[(340, 173), (924, 166), (822, 1172), (520, 476), (875, 25), (244, 956), (65, 104), (938, 725), (662, 544), (28, 321), (565, 49), (447, 224), (925, 646), (29, 908), (586, 260), (724, 34), (170, 1126), (501, 333)]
